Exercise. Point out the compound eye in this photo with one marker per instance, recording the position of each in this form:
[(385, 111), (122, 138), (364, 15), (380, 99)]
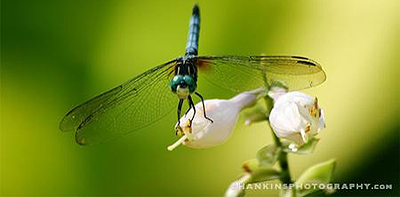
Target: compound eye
[(191, 83), (188, 80), (176, 81)]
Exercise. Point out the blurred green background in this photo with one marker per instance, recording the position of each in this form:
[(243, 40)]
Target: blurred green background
[(57, 54)]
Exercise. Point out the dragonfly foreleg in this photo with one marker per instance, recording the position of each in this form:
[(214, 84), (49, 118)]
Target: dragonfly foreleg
[(178, 129), (193, 107), (190, 107), (204, 107)]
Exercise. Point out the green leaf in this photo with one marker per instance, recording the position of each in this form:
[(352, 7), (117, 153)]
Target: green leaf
[(318, 174), (279, 84), (251, 165), (264, 174), (255, 114), (259, 172), (268, 155), (307, 148)]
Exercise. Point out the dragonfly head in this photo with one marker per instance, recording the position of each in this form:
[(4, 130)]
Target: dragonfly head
[(183, 85)]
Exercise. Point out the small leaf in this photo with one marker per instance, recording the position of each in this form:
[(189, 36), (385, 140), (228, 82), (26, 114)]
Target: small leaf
[(302, 150), (255, 114), (264, 173), (279, 84), (254, 118), (268, 155), (251, 165), (320, 173), (259, 172)]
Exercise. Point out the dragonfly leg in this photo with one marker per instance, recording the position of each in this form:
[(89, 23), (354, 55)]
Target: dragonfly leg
[(204, 107), (178, 129), (190, 107), (193, 107)]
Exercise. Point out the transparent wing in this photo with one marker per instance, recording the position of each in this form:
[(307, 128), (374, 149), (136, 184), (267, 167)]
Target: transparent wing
[(239, 73), (126, 108)]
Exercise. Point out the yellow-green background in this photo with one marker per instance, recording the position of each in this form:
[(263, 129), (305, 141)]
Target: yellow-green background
[(57, 54)]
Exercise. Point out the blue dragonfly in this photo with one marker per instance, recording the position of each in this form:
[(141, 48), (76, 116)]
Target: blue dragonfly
[(147, 98)]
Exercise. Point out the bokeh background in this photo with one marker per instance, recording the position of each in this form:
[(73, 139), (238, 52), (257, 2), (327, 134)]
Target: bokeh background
[(57, 54)]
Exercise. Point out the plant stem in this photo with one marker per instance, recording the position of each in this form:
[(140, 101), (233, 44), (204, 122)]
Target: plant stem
[(283, 161)]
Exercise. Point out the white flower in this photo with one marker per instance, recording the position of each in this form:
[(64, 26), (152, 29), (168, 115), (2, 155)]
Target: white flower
[(296, 116), (203, 133)]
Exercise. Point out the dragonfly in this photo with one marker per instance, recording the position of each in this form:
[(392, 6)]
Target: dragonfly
[(153, 94)]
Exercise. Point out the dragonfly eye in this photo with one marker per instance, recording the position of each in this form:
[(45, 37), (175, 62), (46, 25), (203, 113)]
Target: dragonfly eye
[(175, 82), (189, 80)]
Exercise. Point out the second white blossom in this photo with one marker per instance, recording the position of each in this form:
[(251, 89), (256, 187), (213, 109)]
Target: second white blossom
[(297, 117)]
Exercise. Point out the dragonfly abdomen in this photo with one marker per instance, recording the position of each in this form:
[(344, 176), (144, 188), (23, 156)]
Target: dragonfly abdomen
[(194, 31)]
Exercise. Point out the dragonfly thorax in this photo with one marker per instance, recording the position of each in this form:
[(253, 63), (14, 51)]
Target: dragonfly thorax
[(183, 85)]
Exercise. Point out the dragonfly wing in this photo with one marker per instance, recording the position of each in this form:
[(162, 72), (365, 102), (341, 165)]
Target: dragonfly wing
[(126, 108), (239, 73)]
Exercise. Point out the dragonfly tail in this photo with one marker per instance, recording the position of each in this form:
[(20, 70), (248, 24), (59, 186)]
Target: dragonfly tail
[(194, 31)]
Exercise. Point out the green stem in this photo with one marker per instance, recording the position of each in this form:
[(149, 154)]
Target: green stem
[(283, 161)]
